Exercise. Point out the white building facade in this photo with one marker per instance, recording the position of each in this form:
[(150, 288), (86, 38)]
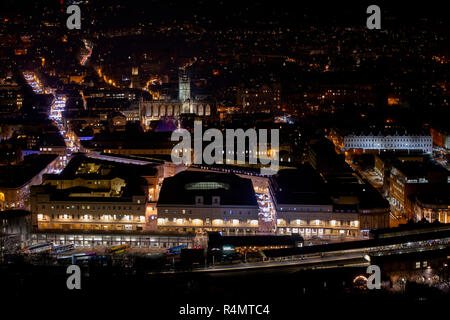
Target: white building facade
[(422, 143)]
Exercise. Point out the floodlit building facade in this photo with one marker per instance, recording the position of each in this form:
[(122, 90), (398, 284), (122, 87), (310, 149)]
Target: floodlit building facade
[(94, 194), (382, 141), (311, 207), (157, 109)]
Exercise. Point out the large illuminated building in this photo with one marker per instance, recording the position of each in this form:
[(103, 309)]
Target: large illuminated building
[(441, 137), (184, 87), (335, 207), (204, 201), (432, 206), (135, 78), (411, 178), (151, 110), (361, 141), (95, 194)]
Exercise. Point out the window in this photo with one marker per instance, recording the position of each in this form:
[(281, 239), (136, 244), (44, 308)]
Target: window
[(206, 186)]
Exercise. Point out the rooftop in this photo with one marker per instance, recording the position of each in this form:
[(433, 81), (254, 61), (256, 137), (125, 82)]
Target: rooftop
[(185, 186), (17, 175), (80, 166), (299, 186), (304, 186), (83, 167), (80, 194), (438, 197), (414, 169), (13, 214)]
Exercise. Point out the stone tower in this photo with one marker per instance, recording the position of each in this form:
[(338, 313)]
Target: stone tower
[(135, 78), (184, 87)]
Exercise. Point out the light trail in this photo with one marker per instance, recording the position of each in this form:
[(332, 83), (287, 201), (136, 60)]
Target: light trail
[(56, 109), (89, 47)]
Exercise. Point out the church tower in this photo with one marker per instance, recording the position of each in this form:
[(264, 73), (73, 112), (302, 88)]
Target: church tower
[(184, 86), (135, 78)]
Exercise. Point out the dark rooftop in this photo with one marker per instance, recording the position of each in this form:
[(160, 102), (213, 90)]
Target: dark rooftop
[(414, 169), (80, 166), (17, 175), (304, 186), (125, 140), (83, 194), (185, 186), (90, 168), (8, 214), (439, 197), (299, 186)]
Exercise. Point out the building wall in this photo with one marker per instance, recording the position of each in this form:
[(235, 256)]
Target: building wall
[(309, 224), (19, 225), (431, 212), (88, 215), (234, 219), (423, 143), (324, 221), (157, 109), (316, 221), (401, 187), (399, 190), (11, 99), (90, 240), (440, 138), (184, 87)]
